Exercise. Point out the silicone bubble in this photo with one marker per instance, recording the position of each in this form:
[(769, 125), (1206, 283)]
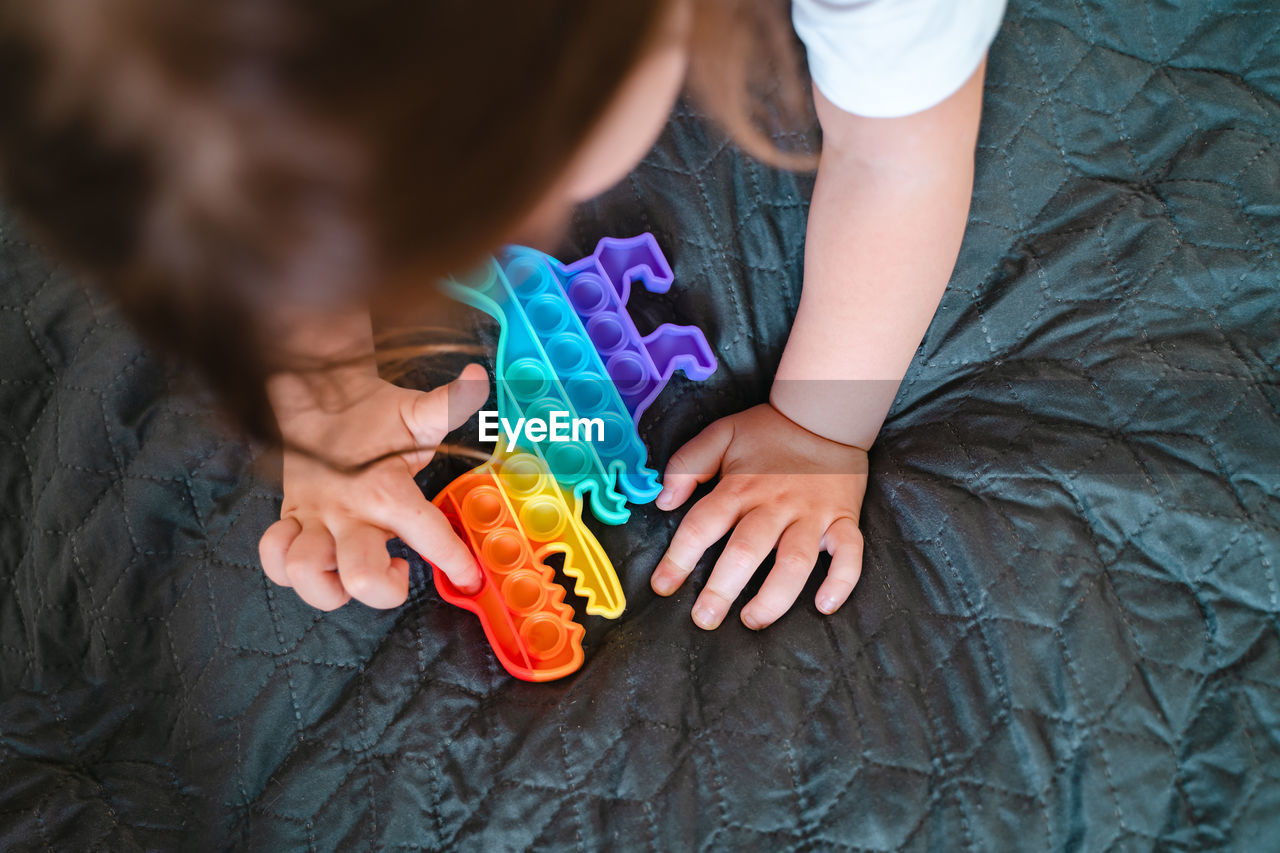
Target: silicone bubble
[(607, 333), (523, 474), (569, 462), (568, 354), (588, 293), (543, 409), (482, 508), (543, 517), (588, 393), (529, 378), (545, 637), (626, 369), (523, 591), (547, 314), (529, 277), (503, 551)]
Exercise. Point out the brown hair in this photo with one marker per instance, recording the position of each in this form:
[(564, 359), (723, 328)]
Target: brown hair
[(204, 161)]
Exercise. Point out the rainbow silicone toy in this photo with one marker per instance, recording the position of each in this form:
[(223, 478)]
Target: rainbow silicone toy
[(566, 343)]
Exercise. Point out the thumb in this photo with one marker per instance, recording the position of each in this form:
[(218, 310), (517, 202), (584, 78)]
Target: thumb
[(431, 416), (697, 462)]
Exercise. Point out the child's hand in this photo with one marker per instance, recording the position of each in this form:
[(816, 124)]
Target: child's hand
[(782, 486), (330, 543)]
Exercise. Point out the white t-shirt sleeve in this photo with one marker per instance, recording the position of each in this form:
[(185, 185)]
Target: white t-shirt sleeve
[(889, 58)]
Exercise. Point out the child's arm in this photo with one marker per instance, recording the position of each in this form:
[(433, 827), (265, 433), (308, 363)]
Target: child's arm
[(885, 223), (330, 542)]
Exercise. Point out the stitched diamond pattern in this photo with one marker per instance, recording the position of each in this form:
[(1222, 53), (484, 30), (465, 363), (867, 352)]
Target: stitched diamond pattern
[(1065, 636)]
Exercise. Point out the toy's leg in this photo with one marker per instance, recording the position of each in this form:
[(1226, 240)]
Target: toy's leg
[(634, 258), (680, 348)]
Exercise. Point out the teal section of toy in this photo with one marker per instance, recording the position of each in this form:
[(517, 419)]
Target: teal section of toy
[(568, 345)]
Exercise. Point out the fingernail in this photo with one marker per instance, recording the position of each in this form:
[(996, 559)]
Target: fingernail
[(750, 621), (828, 604), (663, 500), (704, 617), (667, 576)]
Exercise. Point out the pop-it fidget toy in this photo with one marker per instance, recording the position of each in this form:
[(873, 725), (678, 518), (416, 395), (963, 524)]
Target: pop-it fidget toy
[(512, 514), (566, 343)]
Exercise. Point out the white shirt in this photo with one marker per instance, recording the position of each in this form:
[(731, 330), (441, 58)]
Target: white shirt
[(889, 58)]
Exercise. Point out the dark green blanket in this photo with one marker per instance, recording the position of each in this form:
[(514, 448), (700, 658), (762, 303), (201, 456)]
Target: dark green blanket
[(1065, 636)]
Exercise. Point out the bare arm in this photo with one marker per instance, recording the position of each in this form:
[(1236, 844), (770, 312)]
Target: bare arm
[(885, 224)]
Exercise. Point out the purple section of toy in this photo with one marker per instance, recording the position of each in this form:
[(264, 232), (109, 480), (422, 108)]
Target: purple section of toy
[(599, 286)]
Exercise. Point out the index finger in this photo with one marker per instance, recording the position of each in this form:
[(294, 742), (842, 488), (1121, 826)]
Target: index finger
[(424, 528)]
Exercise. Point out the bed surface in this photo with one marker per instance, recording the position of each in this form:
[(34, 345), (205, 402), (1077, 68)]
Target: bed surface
[(1065, 636)]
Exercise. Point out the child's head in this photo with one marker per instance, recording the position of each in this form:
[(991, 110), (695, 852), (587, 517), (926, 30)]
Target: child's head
[(210, 162)]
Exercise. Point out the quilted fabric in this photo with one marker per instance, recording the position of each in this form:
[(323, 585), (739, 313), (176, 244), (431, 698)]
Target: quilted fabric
[(1066, 634)]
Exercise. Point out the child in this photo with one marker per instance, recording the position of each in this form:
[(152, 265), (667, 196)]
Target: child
[(250, 176)]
